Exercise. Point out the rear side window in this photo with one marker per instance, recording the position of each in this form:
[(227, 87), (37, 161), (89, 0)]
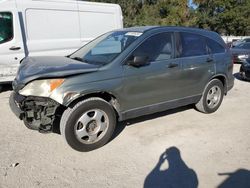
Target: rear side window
[(214, 47), (192, 45), (6, 27), (156, 48)]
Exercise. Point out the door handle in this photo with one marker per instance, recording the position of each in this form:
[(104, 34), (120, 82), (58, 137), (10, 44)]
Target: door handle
[(15, 48), (172, 65), (209, 59)]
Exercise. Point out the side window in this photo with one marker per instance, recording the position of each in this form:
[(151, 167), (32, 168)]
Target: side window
[(192, 45), (156, 48), (6, 27), (214, 47)]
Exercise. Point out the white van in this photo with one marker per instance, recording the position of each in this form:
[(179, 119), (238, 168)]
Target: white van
[(50, 27)]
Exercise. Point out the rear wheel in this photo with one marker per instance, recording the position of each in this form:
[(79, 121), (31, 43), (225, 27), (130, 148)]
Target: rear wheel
[(212, 97), (89, 124)]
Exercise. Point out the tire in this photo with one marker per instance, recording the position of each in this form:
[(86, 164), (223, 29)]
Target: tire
[(241, 73), (89, 124), (211, 98)]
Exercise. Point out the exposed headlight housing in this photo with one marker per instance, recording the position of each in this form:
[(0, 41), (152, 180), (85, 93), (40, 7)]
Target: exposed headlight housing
[(41, 88)]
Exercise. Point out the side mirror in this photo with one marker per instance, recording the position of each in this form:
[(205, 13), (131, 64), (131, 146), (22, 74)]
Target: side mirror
[(139, 61)]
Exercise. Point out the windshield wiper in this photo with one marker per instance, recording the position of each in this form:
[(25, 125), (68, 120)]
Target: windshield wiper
[(77, 58), (87, 61), (82, 60)]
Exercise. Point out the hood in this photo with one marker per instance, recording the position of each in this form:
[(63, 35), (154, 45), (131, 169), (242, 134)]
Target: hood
[(238, 51), (33, 68)]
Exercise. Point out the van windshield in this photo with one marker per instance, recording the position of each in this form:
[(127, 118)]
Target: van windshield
[(105, 48), (6, 27)]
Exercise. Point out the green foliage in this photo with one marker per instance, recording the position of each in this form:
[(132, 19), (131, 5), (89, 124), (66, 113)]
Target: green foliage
[(230, 17), (154, 12)]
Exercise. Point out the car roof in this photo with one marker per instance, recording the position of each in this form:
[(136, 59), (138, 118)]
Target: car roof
[(172, 28), (211, 34), (141, 29)]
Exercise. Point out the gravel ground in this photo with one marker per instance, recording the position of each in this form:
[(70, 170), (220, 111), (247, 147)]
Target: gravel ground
[(180, 147)]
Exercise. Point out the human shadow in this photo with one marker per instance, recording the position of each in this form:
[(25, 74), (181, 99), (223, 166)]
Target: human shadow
[(238, 179), (177, 175)]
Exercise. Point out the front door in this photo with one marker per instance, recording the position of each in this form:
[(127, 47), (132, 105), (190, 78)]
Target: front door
[(156, 82)]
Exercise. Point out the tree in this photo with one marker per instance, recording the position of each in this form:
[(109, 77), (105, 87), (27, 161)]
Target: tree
[(229, 17), (154, 12)]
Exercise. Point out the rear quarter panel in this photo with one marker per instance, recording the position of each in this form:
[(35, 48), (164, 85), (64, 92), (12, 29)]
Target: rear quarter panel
[(224, 66)]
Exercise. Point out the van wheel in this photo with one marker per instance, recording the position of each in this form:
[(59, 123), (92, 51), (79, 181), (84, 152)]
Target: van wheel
[(212, 97), (88, 125)]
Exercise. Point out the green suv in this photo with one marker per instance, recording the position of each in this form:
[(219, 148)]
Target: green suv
[(120, 75)]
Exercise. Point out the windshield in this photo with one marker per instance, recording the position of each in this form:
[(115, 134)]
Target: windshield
[(6, 28), (105, 48)]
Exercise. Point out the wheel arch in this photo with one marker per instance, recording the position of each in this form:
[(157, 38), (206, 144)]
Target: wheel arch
[(223, 79), (107, 96)]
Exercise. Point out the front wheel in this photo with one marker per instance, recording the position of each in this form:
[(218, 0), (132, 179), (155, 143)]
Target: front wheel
[(89, 124), (212, 97)]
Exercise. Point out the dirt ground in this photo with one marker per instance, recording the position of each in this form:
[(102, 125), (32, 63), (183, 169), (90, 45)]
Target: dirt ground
[(180, 147)]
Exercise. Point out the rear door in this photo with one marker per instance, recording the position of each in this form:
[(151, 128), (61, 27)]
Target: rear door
[(11, 45), (157, 82), (198, 65)]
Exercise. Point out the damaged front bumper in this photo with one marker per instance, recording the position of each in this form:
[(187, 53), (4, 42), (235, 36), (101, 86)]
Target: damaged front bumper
[(38, 113), (14, 102)]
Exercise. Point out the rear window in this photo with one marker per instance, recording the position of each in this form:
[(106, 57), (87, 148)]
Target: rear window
[(6, 27), (214, 47), (192, 45)]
